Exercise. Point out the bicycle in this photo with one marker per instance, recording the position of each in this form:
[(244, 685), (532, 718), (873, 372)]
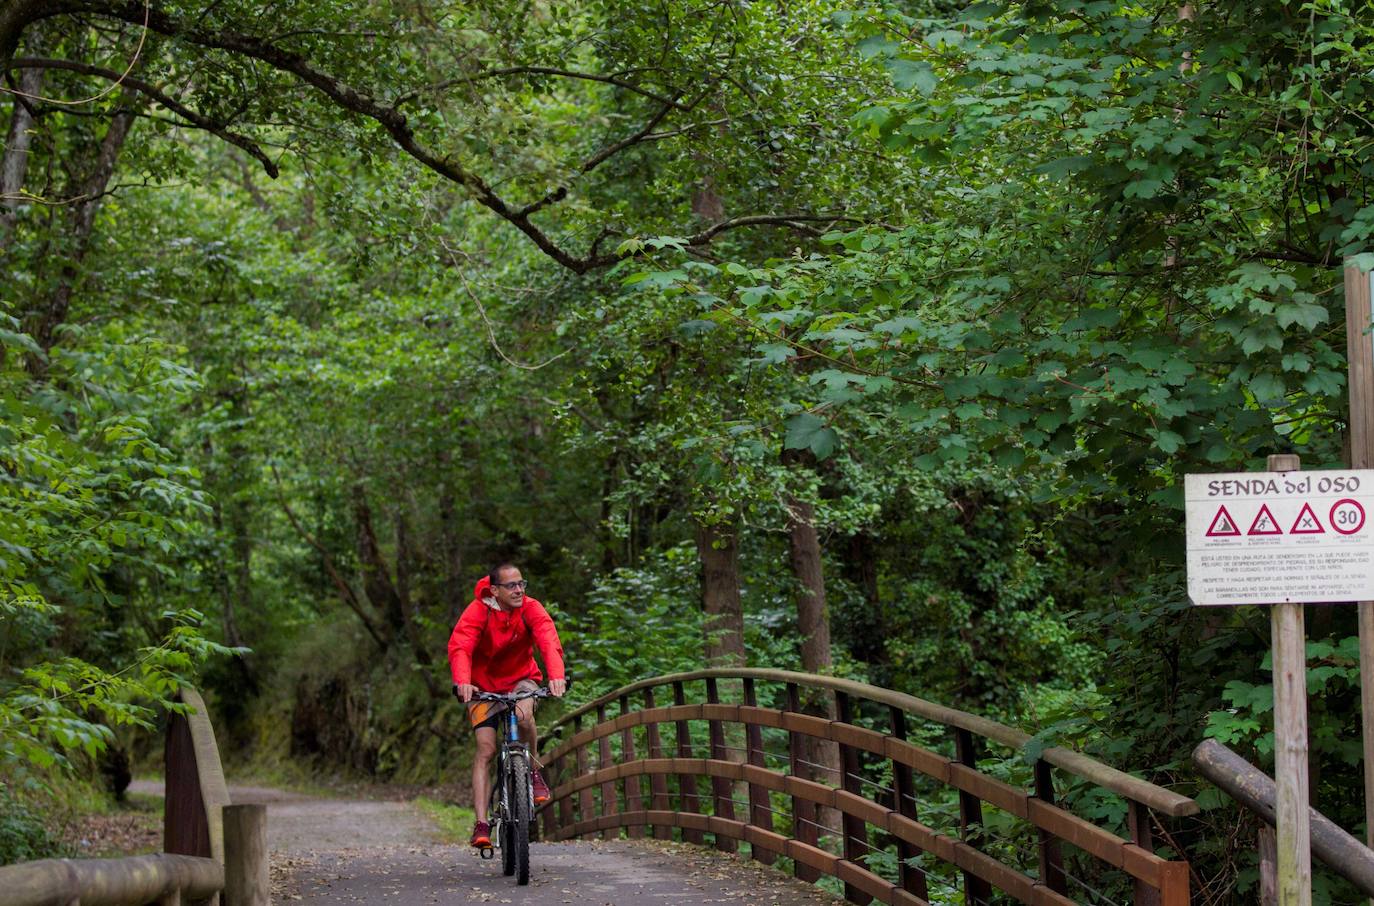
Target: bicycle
[(511, 810)]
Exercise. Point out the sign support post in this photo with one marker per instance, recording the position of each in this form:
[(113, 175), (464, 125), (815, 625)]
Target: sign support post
[(1360, 358), (1290, 739)]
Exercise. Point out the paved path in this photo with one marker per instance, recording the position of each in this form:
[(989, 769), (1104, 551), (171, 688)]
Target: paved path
[(343, 851)]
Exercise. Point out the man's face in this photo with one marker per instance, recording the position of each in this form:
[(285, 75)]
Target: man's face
[(510, 591)]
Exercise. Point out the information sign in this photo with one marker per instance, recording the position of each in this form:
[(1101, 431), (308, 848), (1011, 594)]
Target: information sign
[(1280, 537)]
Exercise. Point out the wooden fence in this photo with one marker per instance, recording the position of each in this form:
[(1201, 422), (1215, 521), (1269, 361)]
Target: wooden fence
[(884, 850), (192, 869)]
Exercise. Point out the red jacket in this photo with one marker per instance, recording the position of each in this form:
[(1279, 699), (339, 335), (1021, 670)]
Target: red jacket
[(493, 649)]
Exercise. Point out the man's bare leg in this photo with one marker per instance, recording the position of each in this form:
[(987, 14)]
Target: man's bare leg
[(529, 732), (481, 762)]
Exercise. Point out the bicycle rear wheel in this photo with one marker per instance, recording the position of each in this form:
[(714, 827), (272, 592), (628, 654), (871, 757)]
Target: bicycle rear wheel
[(519, 796)]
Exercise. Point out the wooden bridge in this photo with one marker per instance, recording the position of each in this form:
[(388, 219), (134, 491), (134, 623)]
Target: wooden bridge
[(882, 848), (897, 799)]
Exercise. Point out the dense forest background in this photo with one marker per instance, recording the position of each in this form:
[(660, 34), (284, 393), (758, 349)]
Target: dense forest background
[(871, 340)]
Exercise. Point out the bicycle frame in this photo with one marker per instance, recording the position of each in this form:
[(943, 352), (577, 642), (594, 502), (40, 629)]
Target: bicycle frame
[(512, 818)]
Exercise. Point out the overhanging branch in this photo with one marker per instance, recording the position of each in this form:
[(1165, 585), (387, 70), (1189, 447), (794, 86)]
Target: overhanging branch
[(192, 117)]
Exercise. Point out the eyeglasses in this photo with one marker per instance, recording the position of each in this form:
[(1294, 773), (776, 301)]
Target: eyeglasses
[(519, 585)]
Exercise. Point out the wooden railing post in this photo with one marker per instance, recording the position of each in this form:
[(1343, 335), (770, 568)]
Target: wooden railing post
[(760, 805), (1051, 859), (246, 875), (610, 796), (634, 800), (803, 810), (911, 878), (977, 891), (686, 783), (658, 783), (724, 805), (1138, 817), (557, 772), (855, 828)]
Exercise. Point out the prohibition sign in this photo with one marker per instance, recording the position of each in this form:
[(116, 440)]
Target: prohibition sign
[(1347, 516)]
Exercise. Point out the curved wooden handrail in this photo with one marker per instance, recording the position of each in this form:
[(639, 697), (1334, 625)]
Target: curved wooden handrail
[(596, 791), (1148, 794)]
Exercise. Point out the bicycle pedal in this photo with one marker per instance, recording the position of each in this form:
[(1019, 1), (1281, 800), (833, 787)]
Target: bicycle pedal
[(487, 852)]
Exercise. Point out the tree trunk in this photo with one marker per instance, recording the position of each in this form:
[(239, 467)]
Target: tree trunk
[(409, 610), (91, 192), (813, 630), (718, 548), (813, 620), (14, 165), (377, 582)]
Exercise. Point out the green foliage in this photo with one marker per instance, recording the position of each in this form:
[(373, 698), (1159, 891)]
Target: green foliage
[(23, 834)]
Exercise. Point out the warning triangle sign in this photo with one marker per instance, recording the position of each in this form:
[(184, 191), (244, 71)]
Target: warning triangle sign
[(1222, 525), (1265, 523), (1307, 523)]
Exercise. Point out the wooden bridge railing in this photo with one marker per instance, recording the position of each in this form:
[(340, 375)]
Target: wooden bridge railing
[(197, 851), (784, 814)]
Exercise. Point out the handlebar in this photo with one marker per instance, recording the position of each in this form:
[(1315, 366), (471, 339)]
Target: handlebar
[(511, 698)]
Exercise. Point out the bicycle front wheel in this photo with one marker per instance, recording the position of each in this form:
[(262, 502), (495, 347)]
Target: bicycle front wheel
[(520, 796)]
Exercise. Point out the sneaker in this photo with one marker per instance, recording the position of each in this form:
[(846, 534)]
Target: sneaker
[(481, 835), (541, 789)]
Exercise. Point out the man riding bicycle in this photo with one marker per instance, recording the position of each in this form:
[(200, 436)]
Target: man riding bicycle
[(492, 650)]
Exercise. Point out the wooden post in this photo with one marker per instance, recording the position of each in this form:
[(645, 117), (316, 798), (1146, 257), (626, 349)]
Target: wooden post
[(658, 783), (610, 793), (723, 806), (976, 890), (1290, 739), (855, 829), (803, 810), (1359, 344), (634, 800), (586, 798), (1269, 877), (1051, 858), (246, 881), (1138, 817), (686, 782), (760, 803), (912, 879)]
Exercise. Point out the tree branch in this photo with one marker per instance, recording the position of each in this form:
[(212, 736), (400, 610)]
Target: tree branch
[(186, 113), (390, 118), (543, 70)]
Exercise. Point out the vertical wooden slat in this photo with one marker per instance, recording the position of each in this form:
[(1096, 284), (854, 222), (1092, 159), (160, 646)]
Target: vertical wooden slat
[(658, 783), (723, 806), (1138, 817), (634, 800), (610, 795), (855, 828), (1051, 858), (185, 826), (686, 783), (1359, 294), (977, 892), (556, 816), (587, 809), (760, 814), (1290, 754), (803, 811), (911, 878)]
